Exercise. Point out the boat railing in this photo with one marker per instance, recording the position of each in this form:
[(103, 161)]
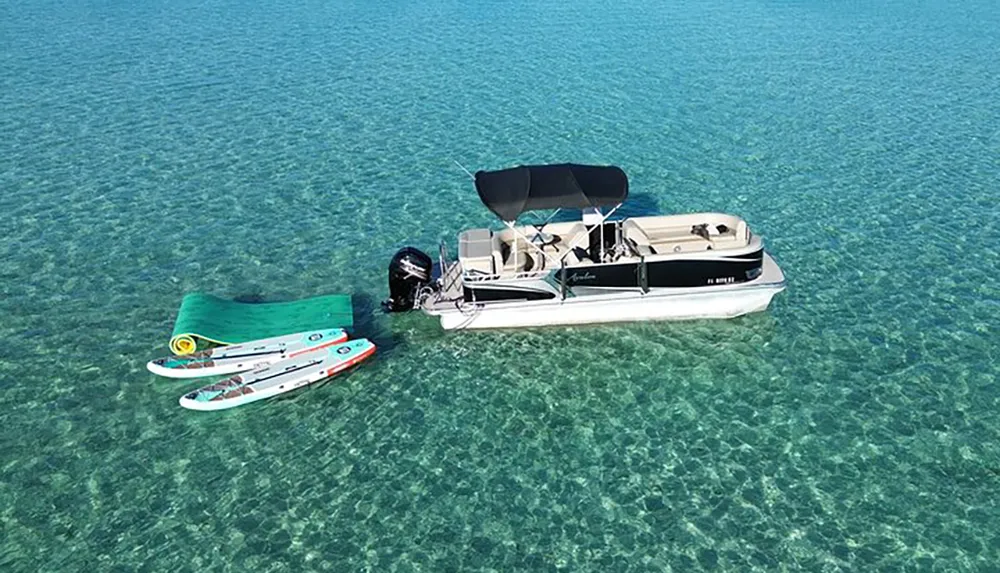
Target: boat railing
[(451, 272), (442, 256)]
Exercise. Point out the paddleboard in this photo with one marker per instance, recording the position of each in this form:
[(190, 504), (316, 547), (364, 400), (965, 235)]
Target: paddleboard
[(279, 377), (246, 356)]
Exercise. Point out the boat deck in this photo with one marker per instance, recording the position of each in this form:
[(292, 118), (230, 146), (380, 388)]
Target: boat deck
[(515, 252)]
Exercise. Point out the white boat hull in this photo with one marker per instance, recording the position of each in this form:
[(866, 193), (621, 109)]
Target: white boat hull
[(710, 302)]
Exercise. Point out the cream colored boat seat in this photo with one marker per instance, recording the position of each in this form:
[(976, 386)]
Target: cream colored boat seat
[(637, 238), (578, 258), (475, 251), (738, 235)]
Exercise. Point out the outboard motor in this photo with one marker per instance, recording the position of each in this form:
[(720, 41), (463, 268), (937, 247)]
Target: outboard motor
[(409, 270)]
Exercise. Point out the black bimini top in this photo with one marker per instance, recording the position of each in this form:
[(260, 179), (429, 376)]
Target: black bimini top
[(511, 192)]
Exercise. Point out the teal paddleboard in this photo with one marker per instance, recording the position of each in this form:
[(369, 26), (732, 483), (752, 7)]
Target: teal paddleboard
[(247, 356), (279, 377)]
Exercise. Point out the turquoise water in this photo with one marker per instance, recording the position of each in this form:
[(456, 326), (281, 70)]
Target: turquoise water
[(278, 151)]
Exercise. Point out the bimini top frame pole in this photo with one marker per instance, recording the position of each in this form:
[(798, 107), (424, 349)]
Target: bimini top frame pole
[(604, 219), (554, 262), (516, 190)]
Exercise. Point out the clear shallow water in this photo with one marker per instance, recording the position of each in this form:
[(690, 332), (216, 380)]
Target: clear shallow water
[(284, 151)]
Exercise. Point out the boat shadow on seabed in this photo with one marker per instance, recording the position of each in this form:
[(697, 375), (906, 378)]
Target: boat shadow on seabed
[(639, 205)]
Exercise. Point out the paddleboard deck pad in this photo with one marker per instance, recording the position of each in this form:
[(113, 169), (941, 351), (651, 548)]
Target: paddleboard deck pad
[(247, 356), (280, 377)]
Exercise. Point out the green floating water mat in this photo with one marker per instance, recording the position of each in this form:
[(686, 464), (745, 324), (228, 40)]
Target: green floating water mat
[(205, 320)]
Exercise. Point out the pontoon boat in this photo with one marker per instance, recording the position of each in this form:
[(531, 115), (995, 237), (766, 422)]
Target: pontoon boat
[(595, 270)]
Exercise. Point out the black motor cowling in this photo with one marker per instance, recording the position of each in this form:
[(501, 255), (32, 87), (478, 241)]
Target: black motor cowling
[(409, 270)]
